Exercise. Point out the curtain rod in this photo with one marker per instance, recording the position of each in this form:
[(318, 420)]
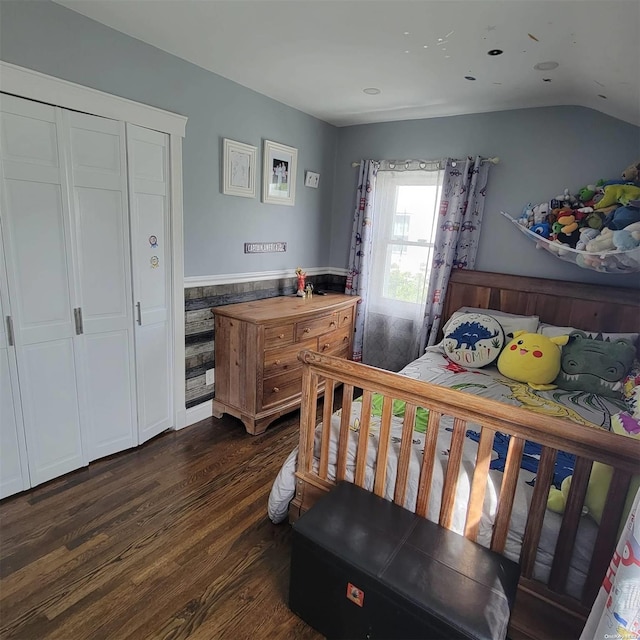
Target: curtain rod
[(492, 160)]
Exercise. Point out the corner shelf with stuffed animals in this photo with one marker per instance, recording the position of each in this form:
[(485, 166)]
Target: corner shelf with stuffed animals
[(598, 228)]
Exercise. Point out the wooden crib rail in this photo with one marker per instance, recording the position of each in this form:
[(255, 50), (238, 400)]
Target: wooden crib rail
[(588, 444)]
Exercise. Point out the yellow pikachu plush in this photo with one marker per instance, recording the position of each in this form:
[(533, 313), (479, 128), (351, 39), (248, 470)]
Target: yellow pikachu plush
[(532, 358)]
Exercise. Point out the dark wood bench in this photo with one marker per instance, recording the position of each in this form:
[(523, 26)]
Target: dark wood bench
[(363, 567)]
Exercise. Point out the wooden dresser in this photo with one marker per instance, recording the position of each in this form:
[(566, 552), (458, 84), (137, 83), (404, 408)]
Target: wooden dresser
[(258, 374)]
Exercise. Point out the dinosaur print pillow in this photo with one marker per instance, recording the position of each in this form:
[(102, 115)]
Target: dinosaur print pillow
[(473, 340), (595, 365)]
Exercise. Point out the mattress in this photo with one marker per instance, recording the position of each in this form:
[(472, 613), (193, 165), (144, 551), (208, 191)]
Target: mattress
[(434, 367)]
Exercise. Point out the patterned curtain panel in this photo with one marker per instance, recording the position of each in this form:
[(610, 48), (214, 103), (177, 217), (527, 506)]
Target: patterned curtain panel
[(360, 252), (457, 234)]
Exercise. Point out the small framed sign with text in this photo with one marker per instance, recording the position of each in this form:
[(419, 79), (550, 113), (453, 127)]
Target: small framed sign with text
[(265, 247)]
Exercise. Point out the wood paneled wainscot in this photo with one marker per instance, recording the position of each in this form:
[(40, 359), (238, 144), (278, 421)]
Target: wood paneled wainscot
[(258, 374)]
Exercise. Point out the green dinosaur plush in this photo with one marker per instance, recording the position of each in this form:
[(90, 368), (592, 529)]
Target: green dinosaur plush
[(622, 193), (594, 365)]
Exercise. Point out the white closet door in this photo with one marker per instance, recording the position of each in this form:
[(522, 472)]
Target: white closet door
[(105, 353), (149, 197), (14, 475), (37, 245)]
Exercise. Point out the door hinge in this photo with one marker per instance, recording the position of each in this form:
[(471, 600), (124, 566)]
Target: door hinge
[(77, 314), (139, 313)]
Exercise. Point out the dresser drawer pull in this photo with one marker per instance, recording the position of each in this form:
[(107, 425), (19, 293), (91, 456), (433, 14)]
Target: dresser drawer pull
[(307, 329), (277, 362), (345, 339), (281, 336), (345, 318), (332, 324), (325, 346), (276, 389)]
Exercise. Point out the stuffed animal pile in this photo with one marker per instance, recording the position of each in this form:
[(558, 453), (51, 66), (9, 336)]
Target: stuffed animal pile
[(599, 218)]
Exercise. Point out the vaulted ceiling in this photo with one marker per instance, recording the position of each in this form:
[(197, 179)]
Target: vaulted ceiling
[(417, 58)]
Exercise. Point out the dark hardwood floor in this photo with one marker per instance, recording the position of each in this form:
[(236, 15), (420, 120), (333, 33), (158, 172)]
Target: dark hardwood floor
[(169, 540)]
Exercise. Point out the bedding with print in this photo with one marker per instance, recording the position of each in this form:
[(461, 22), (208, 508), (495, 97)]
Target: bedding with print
[(435, 367)]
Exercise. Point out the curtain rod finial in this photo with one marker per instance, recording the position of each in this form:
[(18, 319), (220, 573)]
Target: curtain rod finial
[(355, 164), (494, 160)]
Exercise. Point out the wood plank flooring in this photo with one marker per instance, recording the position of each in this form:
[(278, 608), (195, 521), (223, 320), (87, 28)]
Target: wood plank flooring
[(169, 540)]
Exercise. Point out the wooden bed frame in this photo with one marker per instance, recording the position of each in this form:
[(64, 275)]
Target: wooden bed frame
[(542, 610)]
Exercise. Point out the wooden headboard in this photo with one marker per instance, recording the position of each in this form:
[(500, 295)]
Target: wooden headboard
[(582, 306)]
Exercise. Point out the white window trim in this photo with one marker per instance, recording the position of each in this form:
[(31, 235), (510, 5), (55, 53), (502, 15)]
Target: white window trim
[(33, 85)]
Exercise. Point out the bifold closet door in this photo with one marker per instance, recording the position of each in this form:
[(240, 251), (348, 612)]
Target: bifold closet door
[(14, 475), (151, 253), (37, 246), (100, 226)]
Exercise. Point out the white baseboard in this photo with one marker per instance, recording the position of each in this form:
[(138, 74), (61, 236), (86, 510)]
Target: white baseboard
[(201, 411)]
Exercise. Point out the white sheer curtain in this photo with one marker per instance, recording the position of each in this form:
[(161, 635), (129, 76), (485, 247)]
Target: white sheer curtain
[(405, 211)]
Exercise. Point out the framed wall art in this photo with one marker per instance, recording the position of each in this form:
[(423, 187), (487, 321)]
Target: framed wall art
[(279, 173), (311, 179), (239, 169)]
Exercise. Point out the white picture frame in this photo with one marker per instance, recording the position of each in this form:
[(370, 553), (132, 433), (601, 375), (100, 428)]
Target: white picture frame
[(279, 173), (239, 169), (311, 179)]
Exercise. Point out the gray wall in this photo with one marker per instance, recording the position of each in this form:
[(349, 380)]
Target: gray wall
[(54, 40), (542, 151)]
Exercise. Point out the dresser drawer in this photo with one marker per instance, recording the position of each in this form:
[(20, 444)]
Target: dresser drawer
[(345, 317), (335, 341), (280, 388), (286, 359), (316, 326), (278, 335)]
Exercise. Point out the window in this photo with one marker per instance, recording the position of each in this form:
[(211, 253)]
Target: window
[(405, 212)]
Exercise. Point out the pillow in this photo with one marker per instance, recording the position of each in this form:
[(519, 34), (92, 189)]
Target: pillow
[(595, 365), (551, 331), (473, 339), (631, 391), (510, 321)]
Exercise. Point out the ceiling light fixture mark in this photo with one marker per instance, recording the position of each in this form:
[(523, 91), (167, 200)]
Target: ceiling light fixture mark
[(371, 91), (406, 33), (425, 46), (546, 79), (469, 78), (533, 37), (602, 96), (449, 34), (546, 66), (495, 52)]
